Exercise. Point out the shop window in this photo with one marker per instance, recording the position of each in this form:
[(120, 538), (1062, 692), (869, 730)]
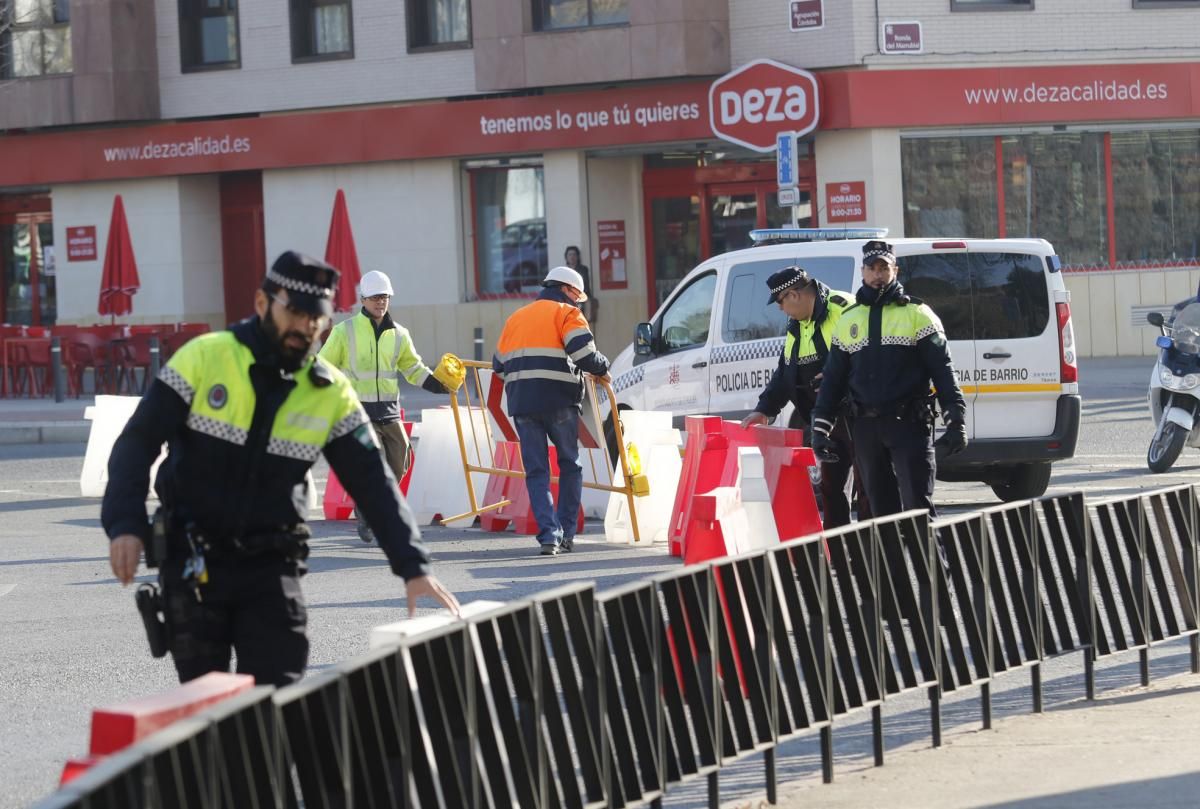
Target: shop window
[(991, 5), (35, 38), (1156, 195), (554, 15), (321, 29), (511, 246), (438, 24), (1054, 189), (949, 187), (208, 34)]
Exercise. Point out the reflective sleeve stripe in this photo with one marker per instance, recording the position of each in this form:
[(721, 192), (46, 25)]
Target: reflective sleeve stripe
[(293, 449), (533, 373), (407, 360), (217, 429), (590, 348), (573, 333), (175, 381), (348, 423)]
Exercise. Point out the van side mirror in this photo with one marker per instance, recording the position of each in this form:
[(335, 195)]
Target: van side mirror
[(1155, 319), (643, 340)]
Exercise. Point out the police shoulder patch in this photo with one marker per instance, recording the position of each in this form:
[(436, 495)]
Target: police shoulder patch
[(218, 396), (365, 435), (838, 299)]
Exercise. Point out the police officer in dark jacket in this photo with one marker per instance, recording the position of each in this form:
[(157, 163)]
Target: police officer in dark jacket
[(813, 311), (245, 413), (887, 349)]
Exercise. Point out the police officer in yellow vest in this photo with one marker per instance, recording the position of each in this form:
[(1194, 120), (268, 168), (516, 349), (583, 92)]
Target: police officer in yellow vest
[(375, 351), (886, 351), (245, 413), (813, 311)]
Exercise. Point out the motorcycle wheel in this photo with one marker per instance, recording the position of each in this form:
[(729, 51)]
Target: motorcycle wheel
[(1165, 450)]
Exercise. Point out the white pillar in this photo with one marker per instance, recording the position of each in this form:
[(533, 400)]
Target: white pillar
[(864, 155)]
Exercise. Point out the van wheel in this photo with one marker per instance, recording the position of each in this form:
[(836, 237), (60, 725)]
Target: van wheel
[(1025, 482)]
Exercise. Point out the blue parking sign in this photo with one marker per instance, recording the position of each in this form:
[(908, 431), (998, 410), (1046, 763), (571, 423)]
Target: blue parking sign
[(785, 159)]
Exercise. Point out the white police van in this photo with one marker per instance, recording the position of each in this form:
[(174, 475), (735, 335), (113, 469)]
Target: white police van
[(712, 346)]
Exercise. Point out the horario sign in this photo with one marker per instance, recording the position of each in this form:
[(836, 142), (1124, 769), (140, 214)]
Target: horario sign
[(751, 105)]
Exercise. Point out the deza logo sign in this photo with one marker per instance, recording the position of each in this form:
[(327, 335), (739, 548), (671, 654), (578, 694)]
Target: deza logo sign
[(754, 103)]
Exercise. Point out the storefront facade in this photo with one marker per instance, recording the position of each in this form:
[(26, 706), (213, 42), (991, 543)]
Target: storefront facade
[(467, 204)]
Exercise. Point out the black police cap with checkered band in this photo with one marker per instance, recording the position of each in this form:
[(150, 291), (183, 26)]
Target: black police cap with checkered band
[(788, 277), (309, 281)]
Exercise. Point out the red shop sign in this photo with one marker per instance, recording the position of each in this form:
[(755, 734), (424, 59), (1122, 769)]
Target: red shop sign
[(846, 202), (81, 243), (613, 255), (751, 105)]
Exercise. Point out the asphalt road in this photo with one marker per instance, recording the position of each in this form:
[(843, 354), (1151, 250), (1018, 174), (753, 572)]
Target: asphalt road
[(72, 639)]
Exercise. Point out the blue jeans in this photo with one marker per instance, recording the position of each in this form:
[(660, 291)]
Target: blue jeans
[(561, 427)]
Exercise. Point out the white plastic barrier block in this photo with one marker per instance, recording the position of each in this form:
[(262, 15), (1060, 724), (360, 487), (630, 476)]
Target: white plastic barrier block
[(658, 445), (756, 501), (108, 416), (389, 634), (438, 485)]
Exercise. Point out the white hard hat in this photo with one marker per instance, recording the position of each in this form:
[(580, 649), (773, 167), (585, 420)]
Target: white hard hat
[(565, 275), (374, 283)]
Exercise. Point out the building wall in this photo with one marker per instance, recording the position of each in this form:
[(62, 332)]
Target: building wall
[(1103, 308), (1056, 31), (382, 70), (114, 77), (174, 226), (664, 38), (615, 192)]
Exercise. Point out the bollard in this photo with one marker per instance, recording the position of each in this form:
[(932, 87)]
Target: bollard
[(478, 344), (56, 364), (155, 358)]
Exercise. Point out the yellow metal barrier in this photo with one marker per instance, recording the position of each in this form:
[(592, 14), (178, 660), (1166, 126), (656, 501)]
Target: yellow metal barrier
[(483, 441)]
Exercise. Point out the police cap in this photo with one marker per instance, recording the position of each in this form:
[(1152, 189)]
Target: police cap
[(878, 249), (309, 281), (785, 279)]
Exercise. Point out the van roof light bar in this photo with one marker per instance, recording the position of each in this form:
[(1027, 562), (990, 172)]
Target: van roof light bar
[(777, 235)]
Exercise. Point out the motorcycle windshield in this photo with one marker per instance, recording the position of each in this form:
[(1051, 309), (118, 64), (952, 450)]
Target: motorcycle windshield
[(1185, 330)]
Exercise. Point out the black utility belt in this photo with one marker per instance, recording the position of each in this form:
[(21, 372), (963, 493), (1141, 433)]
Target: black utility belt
[(911, 410)]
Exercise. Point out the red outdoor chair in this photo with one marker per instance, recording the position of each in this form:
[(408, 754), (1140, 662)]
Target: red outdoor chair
[(29, 366), (86, 349), (130, 356)]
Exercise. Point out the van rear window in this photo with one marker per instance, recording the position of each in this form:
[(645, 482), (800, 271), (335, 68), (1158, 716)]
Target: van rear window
[(981, 296), (748, 316)]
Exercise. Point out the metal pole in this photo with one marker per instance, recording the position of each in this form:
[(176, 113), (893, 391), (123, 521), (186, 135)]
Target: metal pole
[(1035, 682), (772, 776), (57, 365), (155, 358), (877, 733), (479, 344)]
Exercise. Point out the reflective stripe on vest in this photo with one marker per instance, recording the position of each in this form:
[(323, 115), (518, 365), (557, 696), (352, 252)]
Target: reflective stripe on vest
[(210, 373), (372, 382)]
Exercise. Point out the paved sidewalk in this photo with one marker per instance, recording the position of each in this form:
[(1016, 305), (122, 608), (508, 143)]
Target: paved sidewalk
[(1132, 747)]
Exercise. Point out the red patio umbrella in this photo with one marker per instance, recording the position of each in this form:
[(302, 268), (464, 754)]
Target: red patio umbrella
[(120, 281), (340, 252)]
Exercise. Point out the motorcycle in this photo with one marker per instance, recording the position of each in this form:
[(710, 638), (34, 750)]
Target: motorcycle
[(1175, 387)]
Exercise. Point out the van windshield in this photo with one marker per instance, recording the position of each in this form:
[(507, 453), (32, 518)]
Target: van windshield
[(748, 316)]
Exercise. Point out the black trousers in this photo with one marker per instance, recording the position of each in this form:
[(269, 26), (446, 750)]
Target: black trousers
[(896, 460), (835, 505), (252, 606)]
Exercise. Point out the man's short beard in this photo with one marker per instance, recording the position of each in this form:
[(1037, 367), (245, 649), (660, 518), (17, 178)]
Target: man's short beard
[(290, 359)]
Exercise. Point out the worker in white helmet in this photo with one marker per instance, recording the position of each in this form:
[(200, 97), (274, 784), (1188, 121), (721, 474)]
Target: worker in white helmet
[(375, 351)]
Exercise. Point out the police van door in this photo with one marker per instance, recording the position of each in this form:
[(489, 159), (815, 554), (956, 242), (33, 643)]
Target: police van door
[(941, 277), (676, 380), (1017, 366), (746, 351)]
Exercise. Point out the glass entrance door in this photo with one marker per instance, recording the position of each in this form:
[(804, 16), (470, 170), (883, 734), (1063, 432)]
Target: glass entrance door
[(692, 215), (28, 265), (675, 243)]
